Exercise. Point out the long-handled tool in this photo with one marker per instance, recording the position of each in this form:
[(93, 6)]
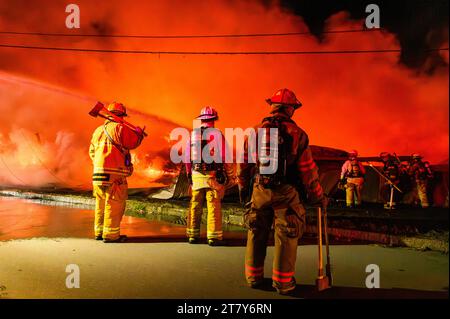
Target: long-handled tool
[(391, 184), (100, 110), (327, 247), (391, 198), (387, 179), (323, 281)]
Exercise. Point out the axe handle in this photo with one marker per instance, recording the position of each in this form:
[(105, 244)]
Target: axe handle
[(115, 118), (319, 240), (327, 246)]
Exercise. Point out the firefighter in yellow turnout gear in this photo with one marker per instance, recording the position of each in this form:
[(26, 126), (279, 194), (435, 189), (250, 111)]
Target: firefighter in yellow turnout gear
[(352, 178), (275, 200), (110, 154), (207, 178)]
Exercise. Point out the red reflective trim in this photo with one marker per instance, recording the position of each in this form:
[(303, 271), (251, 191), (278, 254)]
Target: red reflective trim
[(306, 169), (317, 189), (254, 268), (283, 273), (307, 163), (276, 278)]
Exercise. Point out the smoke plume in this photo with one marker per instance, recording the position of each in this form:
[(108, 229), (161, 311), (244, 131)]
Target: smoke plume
[(369, 102)]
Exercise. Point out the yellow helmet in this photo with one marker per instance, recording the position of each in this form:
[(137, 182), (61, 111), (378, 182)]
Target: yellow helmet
[(117, 108)]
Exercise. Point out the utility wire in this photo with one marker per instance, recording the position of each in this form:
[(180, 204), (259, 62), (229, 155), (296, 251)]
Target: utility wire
[(11, 172), (210, 52), (42, 163), (186, 36)]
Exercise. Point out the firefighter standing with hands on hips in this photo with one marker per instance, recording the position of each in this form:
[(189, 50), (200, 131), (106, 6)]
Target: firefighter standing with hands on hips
[(275, 198), (208, 177), (110, 154), (421, 173), (352, 179)]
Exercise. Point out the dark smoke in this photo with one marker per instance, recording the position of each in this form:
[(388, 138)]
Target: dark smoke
[(419, 25)]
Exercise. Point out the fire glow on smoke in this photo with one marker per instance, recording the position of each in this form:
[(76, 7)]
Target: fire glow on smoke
[(366, 102)]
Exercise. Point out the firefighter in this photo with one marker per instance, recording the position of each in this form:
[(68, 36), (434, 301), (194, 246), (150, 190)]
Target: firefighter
[(391, 170), (352, 177), (110, 154), (275, 199), (208, 179), (421, 173)]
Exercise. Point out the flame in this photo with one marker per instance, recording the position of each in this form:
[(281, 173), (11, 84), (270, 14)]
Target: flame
[(366, 102)]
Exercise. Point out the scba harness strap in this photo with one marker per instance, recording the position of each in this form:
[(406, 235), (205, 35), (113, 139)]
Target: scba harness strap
[(125, 152), (280, 176)]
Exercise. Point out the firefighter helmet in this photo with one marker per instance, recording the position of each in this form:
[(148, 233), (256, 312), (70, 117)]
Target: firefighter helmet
[(353, 154), (284, 97), (208, 113), (117, 108), (384, 155), (416, 156)]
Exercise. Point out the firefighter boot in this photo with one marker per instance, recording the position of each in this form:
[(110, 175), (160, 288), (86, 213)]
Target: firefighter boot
[(216, 242), (121, 239), (194, 240), (287, 289)]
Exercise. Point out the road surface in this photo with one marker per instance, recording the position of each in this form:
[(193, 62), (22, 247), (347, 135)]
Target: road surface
[(39, 241)]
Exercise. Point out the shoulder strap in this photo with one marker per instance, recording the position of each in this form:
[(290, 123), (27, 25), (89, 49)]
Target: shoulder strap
[(117, 145)]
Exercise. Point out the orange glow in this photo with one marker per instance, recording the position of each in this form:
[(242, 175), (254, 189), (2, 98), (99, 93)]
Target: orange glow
[(366, 102)]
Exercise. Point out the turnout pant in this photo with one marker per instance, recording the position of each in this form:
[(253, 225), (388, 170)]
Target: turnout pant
[(110, 203), (281, 208), (422, 188), (353, 190), (213, 199)]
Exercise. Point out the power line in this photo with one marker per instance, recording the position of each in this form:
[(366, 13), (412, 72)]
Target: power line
[(210, 52), (186, 36), (11, 172), (42, 163)]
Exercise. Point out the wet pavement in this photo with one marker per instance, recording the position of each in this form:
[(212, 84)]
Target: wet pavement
[(21, 218), (38, 241), (27, 219)]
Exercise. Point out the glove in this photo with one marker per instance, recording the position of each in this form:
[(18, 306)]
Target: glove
[(342, 183), (221, 177), (243, 195)]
